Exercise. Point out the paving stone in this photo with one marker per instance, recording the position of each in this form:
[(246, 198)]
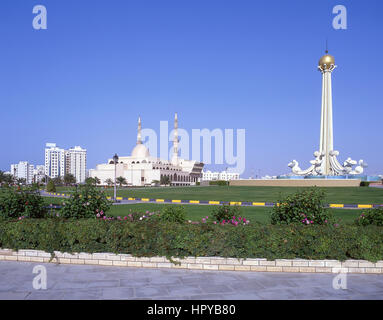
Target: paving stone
[(84, 282)]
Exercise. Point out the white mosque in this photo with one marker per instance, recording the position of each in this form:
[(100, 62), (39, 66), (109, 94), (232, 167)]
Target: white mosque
[(140, 169)]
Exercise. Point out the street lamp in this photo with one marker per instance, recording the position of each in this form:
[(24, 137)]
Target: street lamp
[(115, 160)]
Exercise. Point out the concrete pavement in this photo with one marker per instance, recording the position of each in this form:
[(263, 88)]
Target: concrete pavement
[(99, 282)]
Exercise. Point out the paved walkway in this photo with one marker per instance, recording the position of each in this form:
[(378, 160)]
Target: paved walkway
[(98, 282)]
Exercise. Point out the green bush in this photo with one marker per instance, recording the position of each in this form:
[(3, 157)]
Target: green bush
[(305, 207), (225, 212), (21, 202), (172, 214), (86, 202), (371, 217), (51, 186), (218, 183), (156, 238), (365, 183)]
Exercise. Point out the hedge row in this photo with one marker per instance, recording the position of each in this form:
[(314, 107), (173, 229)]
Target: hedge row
[(153, 238)]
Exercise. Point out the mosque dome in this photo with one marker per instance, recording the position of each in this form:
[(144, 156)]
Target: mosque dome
[(140, 151), (326, 61)]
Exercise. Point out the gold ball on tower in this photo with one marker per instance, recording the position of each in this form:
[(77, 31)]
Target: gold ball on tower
[(326, 61)]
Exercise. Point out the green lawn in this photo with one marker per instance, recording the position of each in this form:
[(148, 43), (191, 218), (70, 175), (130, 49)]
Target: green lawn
[(351, 195), (197, 212)]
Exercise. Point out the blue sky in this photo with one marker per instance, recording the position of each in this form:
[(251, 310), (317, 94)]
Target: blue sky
[(218, 63)]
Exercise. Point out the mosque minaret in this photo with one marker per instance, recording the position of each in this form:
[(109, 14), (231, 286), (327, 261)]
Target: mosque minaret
[(140, 168), (325, 162)]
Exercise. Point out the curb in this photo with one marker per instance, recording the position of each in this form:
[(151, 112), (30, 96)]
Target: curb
[(197, 263)]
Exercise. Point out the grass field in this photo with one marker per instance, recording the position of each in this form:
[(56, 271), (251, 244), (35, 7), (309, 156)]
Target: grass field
[(197, 212), (349, 195)]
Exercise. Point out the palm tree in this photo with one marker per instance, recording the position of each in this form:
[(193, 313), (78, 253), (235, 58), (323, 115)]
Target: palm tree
[(109, 182), (96, 181), (121, 181), (69, 179)]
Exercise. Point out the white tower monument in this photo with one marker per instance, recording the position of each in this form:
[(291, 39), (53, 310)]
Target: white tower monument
[(325, 162)]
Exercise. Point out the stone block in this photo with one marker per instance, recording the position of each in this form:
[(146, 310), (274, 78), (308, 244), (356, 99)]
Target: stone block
[(225, 267), (105, 262), (300, 263), (242, 268), (316, 263), (283, 263), (258, 268), (210, 266), (149, 264), (250, 262), (274, 269), (195, 266), (373, 270), (307, 269), (290, 269), (333, 263), (267, 263), (323, 269)]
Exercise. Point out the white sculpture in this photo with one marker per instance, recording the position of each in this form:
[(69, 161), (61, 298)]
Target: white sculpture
[(325, 162)]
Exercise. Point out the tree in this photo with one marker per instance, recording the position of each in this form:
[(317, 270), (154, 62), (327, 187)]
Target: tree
[(165, 180), (51, 186), (21, 181), (96, 181), (109, 182), (121, 181), (69, 179), (57, 180), (90, 181)]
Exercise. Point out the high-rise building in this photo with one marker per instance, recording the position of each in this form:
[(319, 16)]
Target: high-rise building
[(38, 173), (59, 162), (54, 161), (75, 163), (23, 170)]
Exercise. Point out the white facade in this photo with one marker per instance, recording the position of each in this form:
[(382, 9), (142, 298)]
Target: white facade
[(140, 169), (38, 173), (54, 161), (23, 170), (223, 175), (75, 163)]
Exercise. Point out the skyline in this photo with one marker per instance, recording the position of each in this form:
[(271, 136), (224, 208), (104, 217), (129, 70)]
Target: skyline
[(86, 81)]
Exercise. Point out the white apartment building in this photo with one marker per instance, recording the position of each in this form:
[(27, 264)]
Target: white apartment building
[(75, 163), (23, 170), (54, 161), (223, 175), (38, 173)]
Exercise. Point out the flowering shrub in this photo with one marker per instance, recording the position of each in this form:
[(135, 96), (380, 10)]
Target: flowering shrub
[(225, 212), (172, 214), (18, 202), (305, 207), (131, 217), (372, 216), (235, 221), (87, 202)]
